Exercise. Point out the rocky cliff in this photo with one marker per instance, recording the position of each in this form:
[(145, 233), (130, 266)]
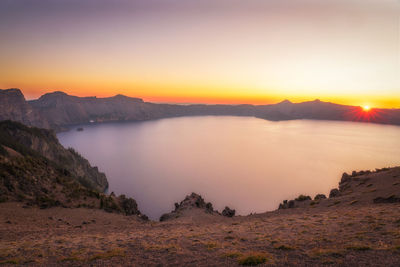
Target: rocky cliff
[(59, 110), (63, 109), (36, 169), (45, 144), (13, 106)]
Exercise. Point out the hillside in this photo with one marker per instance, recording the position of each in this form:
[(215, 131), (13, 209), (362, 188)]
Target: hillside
[(37, 171), (13, 106), (357, 226), (59, 110)]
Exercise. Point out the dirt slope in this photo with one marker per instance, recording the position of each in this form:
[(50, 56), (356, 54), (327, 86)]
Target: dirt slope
[(348, 233)]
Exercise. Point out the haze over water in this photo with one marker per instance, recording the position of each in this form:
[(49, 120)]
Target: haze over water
[(249, 164)]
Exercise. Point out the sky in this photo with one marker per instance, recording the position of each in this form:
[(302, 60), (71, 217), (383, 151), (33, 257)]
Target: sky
[(208, 51)]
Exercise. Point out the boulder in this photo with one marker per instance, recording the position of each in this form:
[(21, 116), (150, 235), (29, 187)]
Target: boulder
[(334, 193), (227, 212), (303, 198), (128, 205), (319, 197)]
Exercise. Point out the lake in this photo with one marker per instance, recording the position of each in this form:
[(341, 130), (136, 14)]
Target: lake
[(246, 163)]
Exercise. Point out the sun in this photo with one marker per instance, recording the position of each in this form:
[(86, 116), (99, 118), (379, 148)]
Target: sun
[(366, 108)]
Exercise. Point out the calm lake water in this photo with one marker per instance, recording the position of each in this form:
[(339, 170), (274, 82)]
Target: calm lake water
[(249, 164)]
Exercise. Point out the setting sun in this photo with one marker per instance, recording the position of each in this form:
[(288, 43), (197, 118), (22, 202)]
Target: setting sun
[(366, 108)]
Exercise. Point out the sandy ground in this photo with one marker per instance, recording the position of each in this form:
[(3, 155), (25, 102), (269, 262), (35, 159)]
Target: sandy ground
[(361, 236), (348, 233)]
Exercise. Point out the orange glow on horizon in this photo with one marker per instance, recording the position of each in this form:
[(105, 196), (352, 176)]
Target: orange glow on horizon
[(196, 96), (246, 52)]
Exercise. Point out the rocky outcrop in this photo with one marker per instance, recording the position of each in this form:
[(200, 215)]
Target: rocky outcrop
[(37, 170), (192, 201), (45, 143), (302, 198), (390, 199), (334, 193), (319, 197), (360, 187), (195, 202), (13, 106), (289, 204), (227, 212)]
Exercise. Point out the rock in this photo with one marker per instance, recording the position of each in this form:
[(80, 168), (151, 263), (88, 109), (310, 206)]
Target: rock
[(291, 204), (303, 198), (227, 212), (334, 193), (391, 199), (44, 143), (345, 178), (13, 106), (167, 216), (209, 207), (144, 217), (283, 205), (128, 205), (192, 201), (319, 197)]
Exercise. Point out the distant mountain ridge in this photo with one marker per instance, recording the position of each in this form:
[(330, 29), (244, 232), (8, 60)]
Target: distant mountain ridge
[(59, 110), (14, 106)]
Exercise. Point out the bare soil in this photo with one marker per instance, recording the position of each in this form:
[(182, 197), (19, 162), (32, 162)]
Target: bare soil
[(353, 232)]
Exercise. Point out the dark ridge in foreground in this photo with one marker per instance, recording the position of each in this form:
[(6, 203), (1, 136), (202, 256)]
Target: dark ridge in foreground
[(59, 110)]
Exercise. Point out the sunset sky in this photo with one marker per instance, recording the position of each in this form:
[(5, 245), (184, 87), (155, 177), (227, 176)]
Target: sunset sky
[(208, 51)]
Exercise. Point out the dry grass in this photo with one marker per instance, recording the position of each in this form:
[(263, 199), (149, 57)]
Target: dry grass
[(117, 252), (253, 258), (233, 254)]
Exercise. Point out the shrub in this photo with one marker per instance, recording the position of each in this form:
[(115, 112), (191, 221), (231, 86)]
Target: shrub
[(252, 259), (233, 254), (359, 248), (284, 247), (108, 254)]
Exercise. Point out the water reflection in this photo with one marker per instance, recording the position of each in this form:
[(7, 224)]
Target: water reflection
[(246, 163)]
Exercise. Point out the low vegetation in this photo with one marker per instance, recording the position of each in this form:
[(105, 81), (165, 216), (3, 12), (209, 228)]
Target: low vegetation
[(252, 259)]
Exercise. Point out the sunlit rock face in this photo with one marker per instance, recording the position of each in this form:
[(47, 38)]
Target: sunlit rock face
[(14, 107)]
